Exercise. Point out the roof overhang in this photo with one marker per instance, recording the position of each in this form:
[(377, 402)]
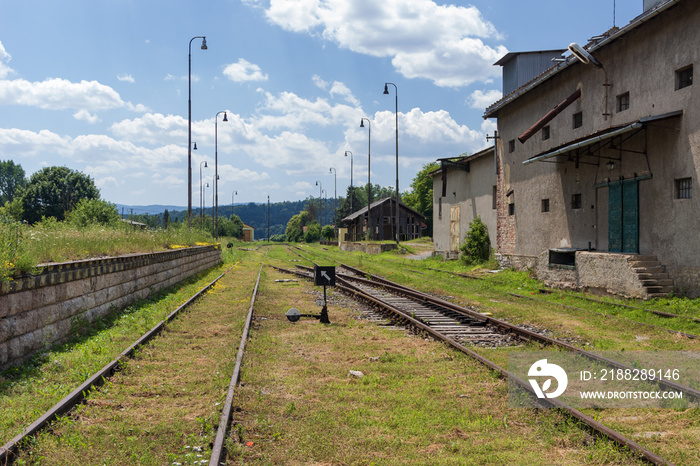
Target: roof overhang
[(601, 136)]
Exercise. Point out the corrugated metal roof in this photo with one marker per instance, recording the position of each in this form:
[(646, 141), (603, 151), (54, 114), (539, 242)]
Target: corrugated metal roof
[(492, 110)]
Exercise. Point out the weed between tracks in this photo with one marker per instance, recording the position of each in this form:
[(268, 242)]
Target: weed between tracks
[(164, 405), (418, 402)]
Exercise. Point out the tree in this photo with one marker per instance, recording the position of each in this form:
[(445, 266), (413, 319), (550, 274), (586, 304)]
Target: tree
[(477, 244), (11, 181), (420, 198), (328, 233), (313, 233), (166, 219), (55, 191), (93, 211), (296, 224)]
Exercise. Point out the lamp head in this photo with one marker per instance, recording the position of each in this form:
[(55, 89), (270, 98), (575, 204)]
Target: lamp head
[(386, 88), (205, 164), (195, 146), (362, 123), (583, 55), (225, 119), (204, 43)]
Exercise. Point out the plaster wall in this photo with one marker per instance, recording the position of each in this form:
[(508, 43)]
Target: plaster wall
[(473, 192), (642, 63)]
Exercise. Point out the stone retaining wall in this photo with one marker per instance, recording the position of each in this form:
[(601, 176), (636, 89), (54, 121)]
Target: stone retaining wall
[(38, 311), (369, 248)]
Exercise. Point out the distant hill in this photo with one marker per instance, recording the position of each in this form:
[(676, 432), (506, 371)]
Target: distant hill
[(147, 209)]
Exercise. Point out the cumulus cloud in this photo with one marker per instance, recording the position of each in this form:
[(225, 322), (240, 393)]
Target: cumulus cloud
[(243, 71), (84, 115), (443, 43), (62, 94), (4, 60), (480, 99)]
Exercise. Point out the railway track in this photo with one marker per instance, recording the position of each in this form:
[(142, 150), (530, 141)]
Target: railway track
[(461, 328), (14, 449)]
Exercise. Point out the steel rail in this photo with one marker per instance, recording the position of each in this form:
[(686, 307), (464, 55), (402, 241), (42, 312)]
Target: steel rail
[(661, 382), (586, 298), (9, 451), (576, 414), (217, 453)]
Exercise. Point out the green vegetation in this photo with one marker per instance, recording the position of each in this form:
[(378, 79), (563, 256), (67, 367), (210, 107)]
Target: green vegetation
[(476, 247)]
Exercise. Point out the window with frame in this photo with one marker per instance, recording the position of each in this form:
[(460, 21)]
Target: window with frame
[(577, 120), (511, 146), (545, 133), (545, 205), (494, 197), (623, 102), (511, 208), (576, 201), (684, 188), (684, 77)]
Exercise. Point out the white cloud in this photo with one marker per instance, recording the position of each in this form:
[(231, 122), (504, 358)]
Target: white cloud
[(443, 43), (244, 71), (481, 99), (86, 116), (126, 78), (61, 94), (4, 60)]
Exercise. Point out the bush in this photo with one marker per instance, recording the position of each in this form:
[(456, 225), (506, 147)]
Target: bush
[(477, 244), (328, 233), (313, 233), (93, 211)]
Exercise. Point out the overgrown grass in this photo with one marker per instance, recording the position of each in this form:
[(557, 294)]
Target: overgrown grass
[(29, 389), (164, 407), (418, 401), (24, 247)]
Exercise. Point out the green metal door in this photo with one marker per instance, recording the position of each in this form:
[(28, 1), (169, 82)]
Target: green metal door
[(623, 216)]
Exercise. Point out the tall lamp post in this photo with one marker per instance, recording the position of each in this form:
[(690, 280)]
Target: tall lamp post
[(189, 127), (352, 192), (335, 199), (204, 201), (216, 172), (369, 172), (233, 194), (200, 186), (268, 219), (320, 202), (396, 114)]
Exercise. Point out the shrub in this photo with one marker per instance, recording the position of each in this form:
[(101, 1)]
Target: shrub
[(477, 244), (313, 233), (93, 211), (328, 233)]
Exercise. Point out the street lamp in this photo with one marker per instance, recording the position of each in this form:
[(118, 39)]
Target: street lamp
[(232, 198), (189, 127), (369, 172), (396, 114), (268, 219), (204, 202), (325, 197), (200, 186), (335, 201), (352, 192), (320, 202), (216, 172), (214, 178)]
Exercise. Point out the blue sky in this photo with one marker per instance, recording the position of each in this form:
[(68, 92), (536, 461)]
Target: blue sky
[(100, 86)]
